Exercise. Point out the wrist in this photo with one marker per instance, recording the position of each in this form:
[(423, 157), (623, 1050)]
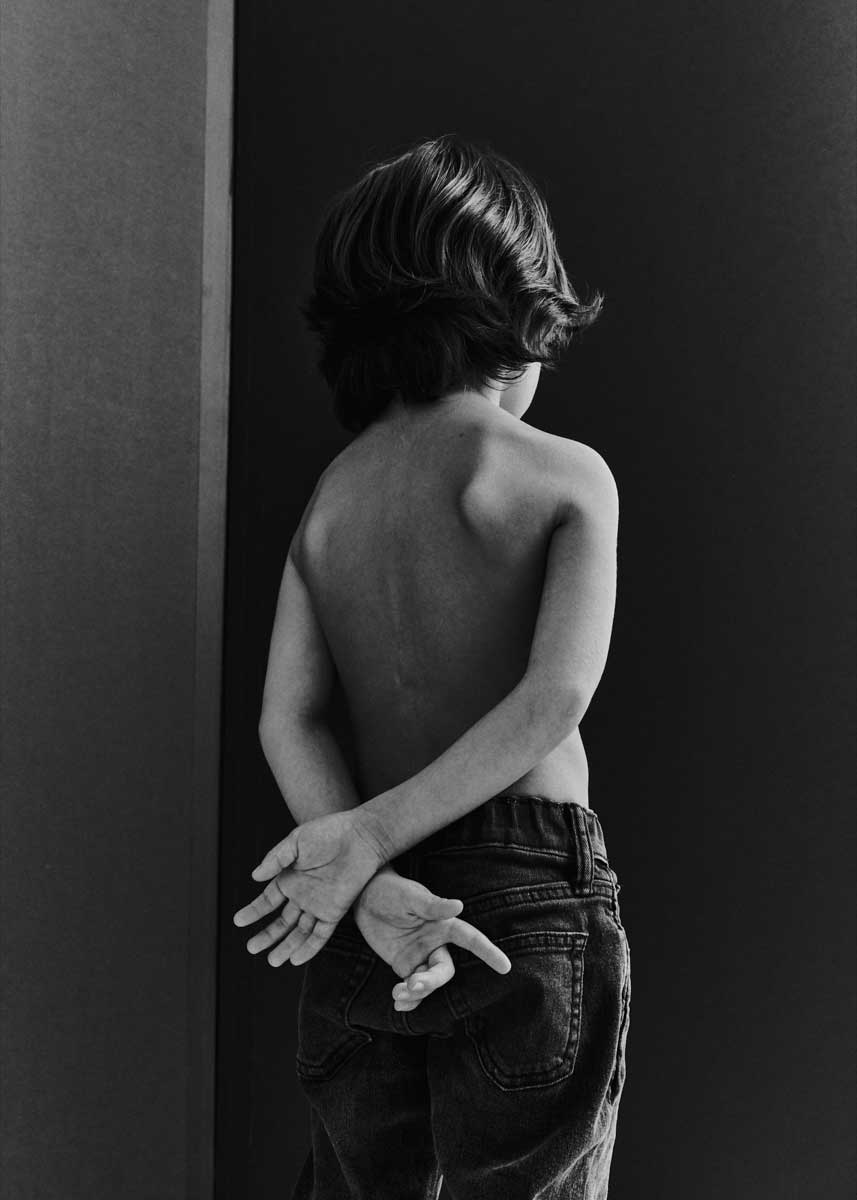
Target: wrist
[(370, 829), (383, 872)]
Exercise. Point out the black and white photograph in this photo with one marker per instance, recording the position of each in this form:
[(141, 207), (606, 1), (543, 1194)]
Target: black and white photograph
[(427, 600)]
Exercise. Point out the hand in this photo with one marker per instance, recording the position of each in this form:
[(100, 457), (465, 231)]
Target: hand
[(319, 870), (409, 927)]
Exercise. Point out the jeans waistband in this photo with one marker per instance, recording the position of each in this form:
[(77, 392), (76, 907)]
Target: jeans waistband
[(512, 819)]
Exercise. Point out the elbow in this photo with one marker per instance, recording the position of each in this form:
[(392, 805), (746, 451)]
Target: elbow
[(268, 729), (276, 725), (555, 707), (570, 704)]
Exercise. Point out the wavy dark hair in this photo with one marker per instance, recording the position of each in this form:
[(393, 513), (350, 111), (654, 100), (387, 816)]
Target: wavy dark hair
[(437, 270)]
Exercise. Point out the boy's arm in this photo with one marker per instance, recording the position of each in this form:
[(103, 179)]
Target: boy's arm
[(567, 659), (297, 741)]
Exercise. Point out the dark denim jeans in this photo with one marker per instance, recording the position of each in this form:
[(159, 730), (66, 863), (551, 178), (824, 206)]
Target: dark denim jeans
[(505, 1086)]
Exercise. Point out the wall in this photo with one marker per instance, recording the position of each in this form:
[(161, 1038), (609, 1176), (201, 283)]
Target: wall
[(115, 157), (699, 163)]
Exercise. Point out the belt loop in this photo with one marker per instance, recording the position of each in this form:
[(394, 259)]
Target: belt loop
[(584, 842)]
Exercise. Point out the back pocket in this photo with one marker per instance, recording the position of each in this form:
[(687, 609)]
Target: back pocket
[(525, 1026), (332, 980)]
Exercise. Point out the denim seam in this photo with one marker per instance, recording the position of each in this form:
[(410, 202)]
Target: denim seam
[(613, 1089), (405, 1022), (451, 1005), (349, 1043)]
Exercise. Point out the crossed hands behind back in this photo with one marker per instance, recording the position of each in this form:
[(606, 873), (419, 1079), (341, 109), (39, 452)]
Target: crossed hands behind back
[(329, 863)]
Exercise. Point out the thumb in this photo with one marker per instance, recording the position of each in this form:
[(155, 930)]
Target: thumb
[(438, 908), (277, 859)]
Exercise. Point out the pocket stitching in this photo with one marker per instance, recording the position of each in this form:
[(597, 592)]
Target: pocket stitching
[(534, 940), (528, 847), (527, 895)]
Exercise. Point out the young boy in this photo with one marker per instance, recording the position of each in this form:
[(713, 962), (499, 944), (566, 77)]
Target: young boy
[(455, 570)]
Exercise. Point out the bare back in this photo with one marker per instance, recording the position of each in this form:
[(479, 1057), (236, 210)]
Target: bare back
[(424, 550)]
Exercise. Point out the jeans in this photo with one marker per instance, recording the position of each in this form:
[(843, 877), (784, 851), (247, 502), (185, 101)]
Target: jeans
[(506, 1087)]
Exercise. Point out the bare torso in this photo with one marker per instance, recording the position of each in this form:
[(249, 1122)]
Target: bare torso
[(424, 550)]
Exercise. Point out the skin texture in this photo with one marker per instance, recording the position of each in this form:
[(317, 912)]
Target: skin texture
[(481, 550)]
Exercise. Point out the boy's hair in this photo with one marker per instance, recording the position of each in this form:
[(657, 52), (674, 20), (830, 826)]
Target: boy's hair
[(437, 270)]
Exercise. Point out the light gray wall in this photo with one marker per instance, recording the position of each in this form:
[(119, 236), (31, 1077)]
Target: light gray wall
[(114, 160)]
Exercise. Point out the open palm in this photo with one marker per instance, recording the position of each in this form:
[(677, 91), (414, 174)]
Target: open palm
[(319, 870), (410, 928)]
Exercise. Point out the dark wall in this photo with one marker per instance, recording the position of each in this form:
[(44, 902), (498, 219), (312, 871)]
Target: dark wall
[(114, 223), (699, 163)]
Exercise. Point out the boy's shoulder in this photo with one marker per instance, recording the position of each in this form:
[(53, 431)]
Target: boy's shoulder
[(524, 478), (568, 450), (571, 467)]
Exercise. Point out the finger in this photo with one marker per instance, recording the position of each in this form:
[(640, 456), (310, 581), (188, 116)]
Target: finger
[(277, 859), (420, 979), (404, 1001), (440, 970), (425, 979), (278, 929), (407, 1005), (264, 904), (314, 942), (439, 954), (293, 942), (401, 990), (468, 937)]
